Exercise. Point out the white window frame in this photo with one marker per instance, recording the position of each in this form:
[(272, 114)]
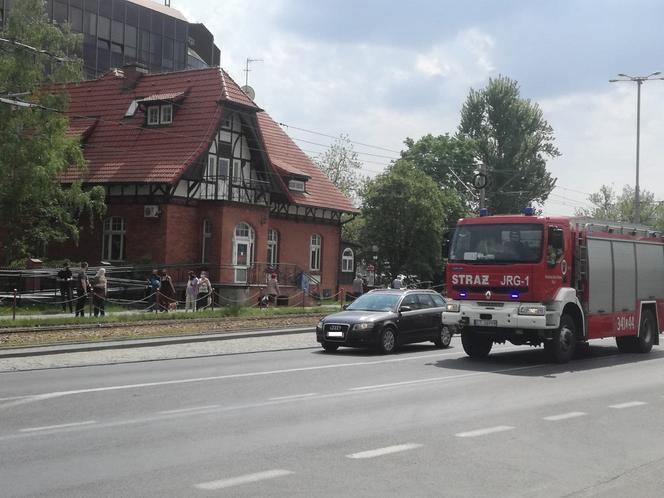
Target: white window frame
[(272, 247), (207, 238), (315, 244), (243, 234), (347, 260), (153, 115), (166, 114), (296, 185), (114, 227)]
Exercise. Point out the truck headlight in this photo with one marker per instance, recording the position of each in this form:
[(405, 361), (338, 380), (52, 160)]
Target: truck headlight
[(453, 307), (532, 310), (362, 326)]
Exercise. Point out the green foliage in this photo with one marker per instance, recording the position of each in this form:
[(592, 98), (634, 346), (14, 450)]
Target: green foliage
[(35, 209), (513, 141), (450, 161), (404, 214), (342, 166), (611, 206)]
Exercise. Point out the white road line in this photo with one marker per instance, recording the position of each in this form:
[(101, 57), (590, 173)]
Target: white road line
[(55, 394), (293, 396), (484, 432), (437, 379), (629, 404), (384, 451), (246, 479), (192, 409), (60, 426), (564, 416)]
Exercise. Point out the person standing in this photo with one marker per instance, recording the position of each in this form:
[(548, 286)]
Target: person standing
[(396, 283), (154, 282), (65, 282), (99, 289), (358, 286), (167, 298), (191, 292), (204, 299), (82, 289), (272, 289)]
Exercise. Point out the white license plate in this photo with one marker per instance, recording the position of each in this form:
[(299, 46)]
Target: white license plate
[(485, 323), (335, 334)]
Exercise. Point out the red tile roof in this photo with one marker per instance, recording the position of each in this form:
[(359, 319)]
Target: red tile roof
[(122, 149), (320, 191)]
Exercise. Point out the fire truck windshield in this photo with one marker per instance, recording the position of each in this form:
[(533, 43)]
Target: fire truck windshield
[(497, 244)]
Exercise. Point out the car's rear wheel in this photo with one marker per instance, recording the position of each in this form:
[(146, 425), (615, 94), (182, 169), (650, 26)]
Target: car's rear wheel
[(329, 347), (475, 345), (444, 337), (387, 343)]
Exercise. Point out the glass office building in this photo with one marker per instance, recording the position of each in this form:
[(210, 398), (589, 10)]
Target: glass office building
[(119, 32)]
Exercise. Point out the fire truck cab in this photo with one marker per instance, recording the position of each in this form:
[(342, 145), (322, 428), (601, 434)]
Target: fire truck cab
[(554, 281)]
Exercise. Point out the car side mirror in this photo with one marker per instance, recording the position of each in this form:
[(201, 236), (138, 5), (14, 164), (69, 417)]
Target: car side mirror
[(404, 309), (345, 306)]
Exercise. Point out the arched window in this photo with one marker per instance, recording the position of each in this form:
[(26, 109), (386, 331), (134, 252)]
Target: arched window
[(347, 260), (113, 242), (207, 237), (314, 252), (243, 251), (272, 247)]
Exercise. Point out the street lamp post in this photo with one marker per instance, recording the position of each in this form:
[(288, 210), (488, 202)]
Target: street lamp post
[(639, 81)]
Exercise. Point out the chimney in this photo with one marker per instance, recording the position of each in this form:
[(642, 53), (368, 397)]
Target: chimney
[(132, 73)]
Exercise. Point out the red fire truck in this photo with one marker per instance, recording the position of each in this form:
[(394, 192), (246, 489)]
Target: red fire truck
[(554, 281)]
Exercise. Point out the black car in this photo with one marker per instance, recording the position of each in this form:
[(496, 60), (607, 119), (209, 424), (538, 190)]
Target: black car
[(384, 319)]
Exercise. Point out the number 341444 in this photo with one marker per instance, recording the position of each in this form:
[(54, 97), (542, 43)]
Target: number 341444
[(625, 322)]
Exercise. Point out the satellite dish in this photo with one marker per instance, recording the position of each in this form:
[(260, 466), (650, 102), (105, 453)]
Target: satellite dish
[(249, 91)]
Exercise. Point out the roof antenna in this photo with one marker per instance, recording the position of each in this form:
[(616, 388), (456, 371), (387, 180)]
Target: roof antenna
[(167, 3), (246, 88)]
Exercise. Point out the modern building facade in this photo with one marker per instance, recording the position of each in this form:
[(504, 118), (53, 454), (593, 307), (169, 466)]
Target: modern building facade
[(119, 32)]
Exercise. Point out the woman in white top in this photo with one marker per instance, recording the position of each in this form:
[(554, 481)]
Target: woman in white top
[(99, 288)]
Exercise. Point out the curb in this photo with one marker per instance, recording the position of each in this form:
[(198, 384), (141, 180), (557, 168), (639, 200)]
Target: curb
[(80, 347)]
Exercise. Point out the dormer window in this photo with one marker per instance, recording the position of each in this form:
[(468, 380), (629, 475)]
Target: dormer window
[(160, 114), (296, 185)]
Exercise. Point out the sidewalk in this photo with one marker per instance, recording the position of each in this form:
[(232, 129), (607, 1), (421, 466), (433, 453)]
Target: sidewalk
[(79, 347)]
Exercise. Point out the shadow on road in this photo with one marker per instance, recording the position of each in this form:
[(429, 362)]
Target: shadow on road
[(591, 357)]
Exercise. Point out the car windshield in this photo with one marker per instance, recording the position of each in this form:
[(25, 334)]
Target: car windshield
[(375, 302), (491, 244)]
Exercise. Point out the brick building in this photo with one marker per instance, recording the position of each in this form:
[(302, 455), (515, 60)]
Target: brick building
[(197, 174)]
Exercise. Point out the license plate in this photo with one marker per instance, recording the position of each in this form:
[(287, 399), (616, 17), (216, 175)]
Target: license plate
[(335, 334), (485, 323)]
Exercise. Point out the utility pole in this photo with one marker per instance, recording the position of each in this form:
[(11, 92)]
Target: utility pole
[(639, 81)]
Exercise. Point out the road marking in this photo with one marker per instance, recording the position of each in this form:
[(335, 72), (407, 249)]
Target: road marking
[(437, 379), (60, 426), (384, 451), (294, 396), (55, 394), (564, 416), (629, 404), (484, 432), (192, 409), (246, 479)]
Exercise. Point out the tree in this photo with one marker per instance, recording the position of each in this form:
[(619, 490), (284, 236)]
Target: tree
[(611, 206), (513, 141), (35, 209), (342, 166), (404, 213)]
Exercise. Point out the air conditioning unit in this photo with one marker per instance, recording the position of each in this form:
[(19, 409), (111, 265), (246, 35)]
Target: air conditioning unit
[(151, 211)]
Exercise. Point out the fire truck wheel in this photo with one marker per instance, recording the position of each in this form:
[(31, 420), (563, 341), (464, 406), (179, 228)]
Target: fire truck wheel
[(561, 347), (475, 345), (388, 341), (647, 333), (444, 337)]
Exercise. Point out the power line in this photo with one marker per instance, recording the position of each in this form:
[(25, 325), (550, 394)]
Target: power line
[(335, 138)]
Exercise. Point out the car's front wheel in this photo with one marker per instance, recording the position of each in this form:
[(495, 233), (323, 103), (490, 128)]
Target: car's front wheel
[(443, 338), (387, 343)]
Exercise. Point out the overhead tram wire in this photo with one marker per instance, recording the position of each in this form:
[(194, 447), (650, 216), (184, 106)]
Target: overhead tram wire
[(335, 138)]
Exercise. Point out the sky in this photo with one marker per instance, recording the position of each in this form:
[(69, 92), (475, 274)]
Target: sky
[(381, 71)]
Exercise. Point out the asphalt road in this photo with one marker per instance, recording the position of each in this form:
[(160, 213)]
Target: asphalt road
[(300, 422)]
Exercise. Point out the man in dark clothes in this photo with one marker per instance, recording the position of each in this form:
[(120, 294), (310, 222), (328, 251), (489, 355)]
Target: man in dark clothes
[(82, 288), (65, 281)]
